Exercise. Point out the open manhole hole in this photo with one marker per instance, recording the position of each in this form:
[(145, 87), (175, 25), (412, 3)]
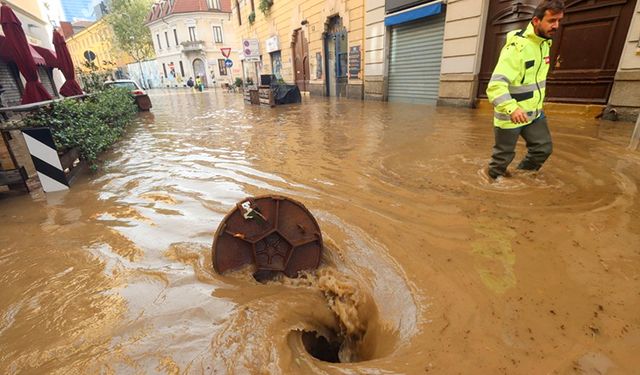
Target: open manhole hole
[(322, 348), (274, 233)]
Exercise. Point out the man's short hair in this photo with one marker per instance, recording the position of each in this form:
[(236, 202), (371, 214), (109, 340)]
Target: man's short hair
[(554, 6)]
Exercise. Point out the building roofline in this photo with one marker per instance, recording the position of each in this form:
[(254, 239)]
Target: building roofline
[(88, 29), (170, 16)]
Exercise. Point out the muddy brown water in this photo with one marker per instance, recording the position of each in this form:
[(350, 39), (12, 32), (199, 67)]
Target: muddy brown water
[(428, 268)]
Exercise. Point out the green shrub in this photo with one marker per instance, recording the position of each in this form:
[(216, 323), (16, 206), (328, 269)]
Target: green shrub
[(93, 80), (252, 17), (92, 124), (238, 82)]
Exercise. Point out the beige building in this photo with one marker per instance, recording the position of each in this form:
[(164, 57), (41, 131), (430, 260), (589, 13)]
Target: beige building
[(189, 37), (445, 55), (316, 44), (98, 38)]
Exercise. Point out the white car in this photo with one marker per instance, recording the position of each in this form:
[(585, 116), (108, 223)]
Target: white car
[(140, 96)]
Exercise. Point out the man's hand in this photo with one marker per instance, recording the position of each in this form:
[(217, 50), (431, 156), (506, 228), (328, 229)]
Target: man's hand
[(519, 117)]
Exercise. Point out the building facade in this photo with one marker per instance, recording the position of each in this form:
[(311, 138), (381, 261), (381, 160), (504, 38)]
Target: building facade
[(191, 38), (315, 44), (39, 35), (431, 52), (625, 94), (96, 42)]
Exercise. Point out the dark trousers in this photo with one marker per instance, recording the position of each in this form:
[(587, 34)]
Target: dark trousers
[(538, 141)]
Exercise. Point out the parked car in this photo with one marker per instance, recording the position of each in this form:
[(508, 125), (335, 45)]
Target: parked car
[(140, 96)]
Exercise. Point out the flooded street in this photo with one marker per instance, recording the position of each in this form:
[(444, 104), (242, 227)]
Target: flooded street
[(428, 267)]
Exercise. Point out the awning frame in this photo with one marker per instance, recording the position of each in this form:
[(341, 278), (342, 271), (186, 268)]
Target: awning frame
[(412, 14)]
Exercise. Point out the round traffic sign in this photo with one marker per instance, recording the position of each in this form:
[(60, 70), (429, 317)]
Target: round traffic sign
[(228, 63), (89, 55)]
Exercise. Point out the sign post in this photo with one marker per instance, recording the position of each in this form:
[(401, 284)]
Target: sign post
[(251, 51)]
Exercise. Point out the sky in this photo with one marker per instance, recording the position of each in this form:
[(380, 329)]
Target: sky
[(78, 9)]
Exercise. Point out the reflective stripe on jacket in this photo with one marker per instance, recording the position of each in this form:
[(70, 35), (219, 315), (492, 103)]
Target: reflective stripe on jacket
[(519, 79)]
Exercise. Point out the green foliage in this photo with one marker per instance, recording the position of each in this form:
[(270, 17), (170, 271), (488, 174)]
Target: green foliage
[(238, 82), (92, 124), (127, 18), (265, 5), (252, 17), (93, 81)]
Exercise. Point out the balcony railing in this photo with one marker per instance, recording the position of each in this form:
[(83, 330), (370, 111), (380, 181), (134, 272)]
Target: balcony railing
[(195, 46)]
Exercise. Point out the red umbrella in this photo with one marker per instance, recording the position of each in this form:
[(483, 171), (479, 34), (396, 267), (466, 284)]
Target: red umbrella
[(17, 42), (65, 64)]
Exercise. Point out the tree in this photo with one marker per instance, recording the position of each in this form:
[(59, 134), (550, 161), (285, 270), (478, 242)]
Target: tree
[(128, 18)]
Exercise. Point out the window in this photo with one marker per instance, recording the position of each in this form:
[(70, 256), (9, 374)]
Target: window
[(217, 34), (181, 69), (166, 37), (222, 67), (213, 4), (238, 10), (175, 36), (158, 37), (192, 33), (253, 7)]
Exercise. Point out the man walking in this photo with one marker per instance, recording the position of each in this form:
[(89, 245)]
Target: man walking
[(517, 90)]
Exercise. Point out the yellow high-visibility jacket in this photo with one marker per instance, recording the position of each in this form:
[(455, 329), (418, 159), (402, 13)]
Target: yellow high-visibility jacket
[(519, 78)]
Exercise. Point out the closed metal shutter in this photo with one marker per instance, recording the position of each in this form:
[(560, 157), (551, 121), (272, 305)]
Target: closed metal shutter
[(47, 81), (416, 56), (11, 94)]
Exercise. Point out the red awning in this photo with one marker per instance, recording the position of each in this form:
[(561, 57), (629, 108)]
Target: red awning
[(49, 56), (41, 56), (4, 50), (16, 41)]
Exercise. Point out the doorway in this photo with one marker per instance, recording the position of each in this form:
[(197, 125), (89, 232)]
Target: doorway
[(200, 70), (301, 60), (336, 60), (586, 49)]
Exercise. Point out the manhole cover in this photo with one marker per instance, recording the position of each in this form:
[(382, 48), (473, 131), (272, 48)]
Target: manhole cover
[(275, 233)]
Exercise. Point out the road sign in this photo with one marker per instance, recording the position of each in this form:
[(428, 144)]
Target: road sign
[(228, 63), (251, 50), (225, 52), (89, 55)]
